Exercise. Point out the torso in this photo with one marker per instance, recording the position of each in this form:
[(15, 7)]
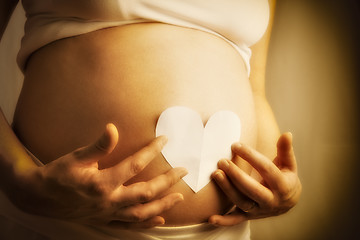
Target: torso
[(128, 75)]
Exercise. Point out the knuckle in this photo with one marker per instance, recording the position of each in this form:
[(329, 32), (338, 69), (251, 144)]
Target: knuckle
[(138, 215), (156, 145), (257, 193), (154, 148), (268, 201), (172, 178), (146, 195), (101, 147), (268, 167), (285, 192), (246, 151), (95, 187), (79, 153), (290, 198), (250, 152), (166, 203), (271, 205), (136, 165)]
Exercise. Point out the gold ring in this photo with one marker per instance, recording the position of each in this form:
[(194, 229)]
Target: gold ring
[(250, 208)]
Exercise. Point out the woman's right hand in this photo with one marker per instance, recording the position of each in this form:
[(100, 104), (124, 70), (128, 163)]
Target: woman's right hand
[(74, 188)]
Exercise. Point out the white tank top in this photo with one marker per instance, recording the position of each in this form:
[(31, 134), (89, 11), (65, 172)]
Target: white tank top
[(240, 22)]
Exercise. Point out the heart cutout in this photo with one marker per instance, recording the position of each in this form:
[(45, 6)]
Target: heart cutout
[(195, 147)]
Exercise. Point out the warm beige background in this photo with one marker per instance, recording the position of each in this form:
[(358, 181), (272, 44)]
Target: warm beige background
[(313, 84)]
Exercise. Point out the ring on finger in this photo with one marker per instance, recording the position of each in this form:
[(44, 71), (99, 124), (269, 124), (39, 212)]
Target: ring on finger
[(253, 204)]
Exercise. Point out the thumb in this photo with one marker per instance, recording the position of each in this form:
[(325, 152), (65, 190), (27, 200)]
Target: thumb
[(102, 147), (285, 152)]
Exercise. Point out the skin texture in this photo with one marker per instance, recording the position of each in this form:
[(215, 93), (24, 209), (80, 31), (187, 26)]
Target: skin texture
[(92, 196), (275, 193), (77, 177), (107, 62), (259, 199)]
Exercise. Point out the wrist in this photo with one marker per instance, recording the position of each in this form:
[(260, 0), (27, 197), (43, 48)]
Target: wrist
[(20, 184)]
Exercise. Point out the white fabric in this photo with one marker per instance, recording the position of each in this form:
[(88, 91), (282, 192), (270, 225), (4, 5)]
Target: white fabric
[(200, 231), (240, 22), (58, 230)]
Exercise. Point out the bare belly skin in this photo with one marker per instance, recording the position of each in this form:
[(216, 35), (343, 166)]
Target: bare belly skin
[(128, 75)]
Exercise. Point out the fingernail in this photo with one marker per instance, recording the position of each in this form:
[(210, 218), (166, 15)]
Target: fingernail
[(179, 198), (182, 172), (239, 145), (223, 164), (219, 176), (159, 221), (163, 140), (290, 135)]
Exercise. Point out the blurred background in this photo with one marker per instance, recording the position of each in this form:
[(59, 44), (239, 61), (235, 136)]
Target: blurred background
[(313, 85)]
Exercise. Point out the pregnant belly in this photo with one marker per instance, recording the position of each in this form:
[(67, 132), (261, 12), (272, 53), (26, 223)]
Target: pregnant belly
[(128, 75)]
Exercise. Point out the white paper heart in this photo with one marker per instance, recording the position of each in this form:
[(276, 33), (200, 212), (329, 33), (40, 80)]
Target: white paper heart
[(195, 147)]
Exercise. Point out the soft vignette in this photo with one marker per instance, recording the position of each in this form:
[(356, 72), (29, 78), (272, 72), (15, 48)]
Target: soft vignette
[(312, 83)]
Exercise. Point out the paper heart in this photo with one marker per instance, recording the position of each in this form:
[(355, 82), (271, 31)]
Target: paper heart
[(195, 147)]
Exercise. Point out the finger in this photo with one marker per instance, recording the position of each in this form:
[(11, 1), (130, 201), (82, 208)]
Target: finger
[(246, 184), (238, 198), (102, 147), (143, 212), (285, 152), (231, 219), (266, 168), (146, 191), (134, 164), (150, 223)]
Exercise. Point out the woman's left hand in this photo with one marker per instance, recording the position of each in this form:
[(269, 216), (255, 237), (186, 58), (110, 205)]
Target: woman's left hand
[(276, 193)]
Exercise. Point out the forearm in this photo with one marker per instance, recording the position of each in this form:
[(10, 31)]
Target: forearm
[(14, 158), (268, 130)]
